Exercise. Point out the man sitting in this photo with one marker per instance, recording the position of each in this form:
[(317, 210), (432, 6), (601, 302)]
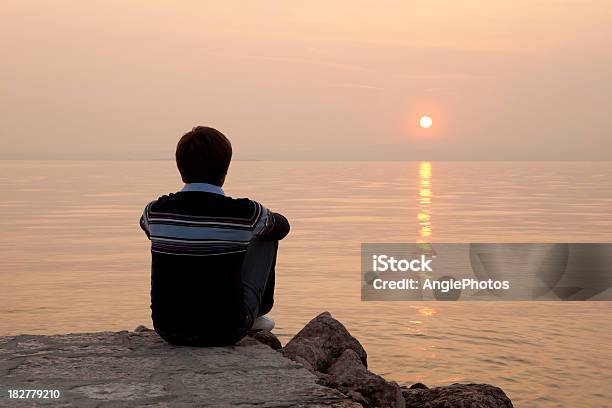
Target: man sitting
[(213, 256)]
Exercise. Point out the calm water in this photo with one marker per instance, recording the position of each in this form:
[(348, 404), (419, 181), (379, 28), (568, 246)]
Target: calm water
[(74, 259)]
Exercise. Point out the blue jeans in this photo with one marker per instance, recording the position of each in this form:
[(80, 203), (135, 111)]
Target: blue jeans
[(258, 278)]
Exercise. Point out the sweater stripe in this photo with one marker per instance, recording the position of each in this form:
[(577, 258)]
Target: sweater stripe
[(194, 235)]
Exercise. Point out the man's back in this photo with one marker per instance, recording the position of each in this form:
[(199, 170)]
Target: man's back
[(199, 239)]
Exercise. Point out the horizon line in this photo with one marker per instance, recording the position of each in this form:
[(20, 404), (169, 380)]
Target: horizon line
[(309, 160)]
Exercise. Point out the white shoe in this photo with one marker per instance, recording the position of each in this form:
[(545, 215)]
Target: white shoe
[(263, 323)]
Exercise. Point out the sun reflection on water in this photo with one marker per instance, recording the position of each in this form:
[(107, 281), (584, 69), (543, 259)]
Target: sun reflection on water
[(427, 311), (424, 218), (424, 199)]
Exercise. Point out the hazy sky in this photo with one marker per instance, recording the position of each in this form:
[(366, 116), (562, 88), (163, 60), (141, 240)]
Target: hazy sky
[(308, 80)]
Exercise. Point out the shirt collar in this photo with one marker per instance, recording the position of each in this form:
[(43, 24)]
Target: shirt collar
[(203, 187)]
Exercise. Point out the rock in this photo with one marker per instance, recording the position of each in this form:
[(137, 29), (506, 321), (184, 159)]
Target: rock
[(457, 396), (127, 369), (326, 348), (321, 342), (305, 364), (267, 338), (349, 376), (137, 369)]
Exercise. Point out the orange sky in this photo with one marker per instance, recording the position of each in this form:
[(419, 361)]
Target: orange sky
[(316, 80)]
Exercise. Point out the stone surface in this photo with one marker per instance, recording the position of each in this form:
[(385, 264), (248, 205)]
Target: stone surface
[(457, 396), (137, 369), (325, 347)]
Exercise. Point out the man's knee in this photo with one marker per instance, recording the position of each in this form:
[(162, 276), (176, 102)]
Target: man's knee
[(263, 245), (261, 253)]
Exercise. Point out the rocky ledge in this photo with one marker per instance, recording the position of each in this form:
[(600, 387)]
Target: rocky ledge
[(322, 366)]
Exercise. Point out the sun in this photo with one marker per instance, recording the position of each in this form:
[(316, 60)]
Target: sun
[(425, 122)]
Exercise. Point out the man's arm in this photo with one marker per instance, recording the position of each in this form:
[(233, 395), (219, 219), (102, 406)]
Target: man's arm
[(144, 219), (270, 225), (276, 228)]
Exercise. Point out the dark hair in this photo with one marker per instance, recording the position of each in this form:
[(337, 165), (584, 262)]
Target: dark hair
[(203, 156)]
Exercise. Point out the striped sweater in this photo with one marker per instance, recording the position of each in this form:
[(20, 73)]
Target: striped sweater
[(198, 241)]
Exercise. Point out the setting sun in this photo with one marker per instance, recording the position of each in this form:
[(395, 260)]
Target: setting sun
[(425, 122)]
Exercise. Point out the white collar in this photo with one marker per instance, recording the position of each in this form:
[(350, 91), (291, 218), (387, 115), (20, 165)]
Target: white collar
[(204, 187)]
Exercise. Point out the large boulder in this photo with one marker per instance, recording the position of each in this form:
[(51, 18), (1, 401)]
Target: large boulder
[(457, 396), (349, 376), (326, 348), (139, 369), (321, 342)]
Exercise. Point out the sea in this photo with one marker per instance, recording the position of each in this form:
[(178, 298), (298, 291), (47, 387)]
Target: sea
[(73, 259)]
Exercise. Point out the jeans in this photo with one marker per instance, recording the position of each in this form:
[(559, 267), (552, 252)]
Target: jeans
[(258, 278)]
